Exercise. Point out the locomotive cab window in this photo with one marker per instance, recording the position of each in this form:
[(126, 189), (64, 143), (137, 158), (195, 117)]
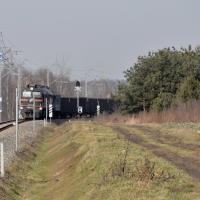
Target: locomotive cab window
[(26, 94), (37, 94)]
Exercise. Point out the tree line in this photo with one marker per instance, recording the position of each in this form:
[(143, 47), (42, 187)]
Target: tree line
[(161, 79)]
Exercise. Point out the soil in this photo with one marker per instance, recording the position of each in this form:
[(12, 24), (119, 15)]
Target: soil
[(167, 139), (188, 164)]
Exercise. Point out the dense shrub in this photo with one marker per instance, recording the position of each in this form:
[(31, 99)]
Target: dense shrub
[(160, 80)]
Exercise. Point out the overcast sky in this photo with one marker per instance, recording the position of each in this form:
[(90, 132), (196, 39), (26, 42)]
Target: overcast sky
[(104, 35)]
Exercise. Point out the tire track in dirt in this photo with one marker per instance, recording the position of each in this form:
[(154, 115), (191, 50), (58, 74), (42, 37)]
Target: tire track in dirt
[(190, 165), (167, 139)]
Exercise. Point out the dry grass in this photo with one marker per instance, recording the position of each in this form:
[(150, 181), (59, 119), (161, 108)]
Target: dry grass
[(141, 170), (114, 118), (187, 112), (88, 161)]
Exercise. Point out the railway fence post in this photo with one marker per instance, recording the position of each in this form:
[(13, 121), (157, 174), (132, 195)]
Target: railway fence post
[(50, 112), (2, 159)]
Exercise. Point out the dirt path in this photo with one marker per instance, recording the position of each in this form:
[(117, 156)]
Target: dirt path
[(167, 139), (190, 165)]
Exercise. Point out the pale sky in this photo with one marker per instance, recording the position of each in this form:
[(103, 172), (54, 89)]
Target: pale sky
[(106, 36)]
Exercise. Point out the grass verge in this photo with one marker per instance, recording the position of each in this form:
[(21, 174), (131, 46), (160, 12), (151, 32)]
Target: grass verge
[(85, 160)]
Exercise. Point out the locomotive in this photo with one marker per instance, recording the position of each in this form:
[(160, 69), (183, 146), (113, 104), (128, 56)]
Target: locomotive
[(38, 98)]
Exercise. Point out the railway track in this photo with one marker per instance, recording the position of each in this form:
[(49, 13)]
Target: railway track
[(8, 124)]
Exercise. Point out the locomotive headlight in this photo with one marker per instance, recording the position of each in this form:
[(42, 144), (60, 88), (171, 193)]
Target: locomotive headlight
[(21, 108), (40, 108)]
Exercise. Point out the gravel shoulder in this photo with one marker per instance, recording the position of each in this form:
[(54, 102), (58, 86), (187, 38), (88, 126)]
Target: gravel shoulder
[(25, 136)]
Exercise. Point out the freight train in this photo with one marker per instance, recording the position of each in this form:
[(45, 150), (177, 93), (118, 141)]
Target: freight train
[(36, 99)]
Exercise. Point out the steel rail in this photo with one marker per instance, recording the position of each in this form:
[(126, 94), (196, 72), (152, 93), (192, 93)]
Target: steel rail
[(10, 124), (6, 122)]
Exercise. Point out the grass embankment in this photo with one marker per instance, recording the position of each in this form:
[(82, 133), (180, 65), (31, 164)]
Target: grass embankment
[(83, 160)]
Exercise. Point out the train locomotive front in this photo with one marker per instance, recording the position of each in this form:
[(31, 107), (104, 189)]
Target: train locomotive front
[(35, 97)]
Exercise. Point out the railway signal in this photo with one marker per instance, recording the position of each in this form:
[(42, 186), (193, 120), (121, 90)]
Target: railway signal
[(78, 90), (78, 84)]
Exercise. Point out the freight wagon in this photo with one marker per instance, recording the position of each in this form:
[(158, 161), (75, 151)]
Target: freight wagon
[(38, 98), (88, 105)]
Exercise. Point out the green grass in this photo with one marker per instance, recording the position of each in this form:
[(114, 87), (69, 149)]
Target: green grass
[(167, 146), (82, 160)]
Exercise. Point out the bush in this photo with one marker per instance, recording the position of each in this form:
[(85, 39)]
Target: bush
[(162, 102), (141, 170), (189, 89)]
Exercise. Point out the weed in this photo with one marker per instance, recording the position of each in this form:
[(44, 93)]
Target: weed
[(141, 170), (146, 171)]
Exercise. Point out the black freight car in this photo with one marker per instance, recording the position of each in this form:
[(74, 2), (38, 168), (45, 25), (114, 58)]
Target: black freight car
[(68, 107), (62, 107), (88, 105)]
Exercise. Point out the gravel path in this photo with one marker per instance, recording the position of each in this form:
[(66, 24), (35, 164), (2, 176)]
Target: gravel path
[(26, 135)]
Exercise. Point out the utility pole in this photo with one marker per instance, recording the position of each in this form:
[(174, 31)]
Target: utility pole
[(19, 83), (87, 75), (7, 60), (86, 88), (48, 81), (16, 122), (77, 97), (19, 77), (46, 105), (1, 67), (33, 114)]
